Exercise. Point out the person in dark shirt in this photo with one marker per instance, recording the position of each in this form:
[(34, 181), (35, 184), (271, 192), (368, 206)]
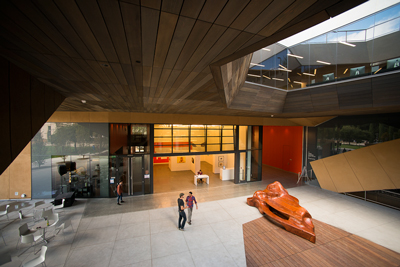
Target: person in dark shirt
[(189, 203), (119, 193), (182, 214)]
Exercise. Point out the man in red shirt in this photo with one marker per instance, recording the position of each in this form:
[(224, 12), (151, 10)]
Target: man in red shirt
[(189, 202)]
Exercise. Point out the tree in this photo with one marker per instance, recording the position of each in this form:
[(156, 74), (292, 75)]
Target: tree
[(39, 149)]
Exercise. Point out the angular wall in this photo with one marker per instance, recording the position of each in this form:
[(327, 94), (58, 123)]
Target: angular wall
[(374, 167)]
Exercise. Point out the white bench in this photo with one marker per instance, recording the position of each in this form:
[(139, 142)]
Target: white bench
[(203, 176)]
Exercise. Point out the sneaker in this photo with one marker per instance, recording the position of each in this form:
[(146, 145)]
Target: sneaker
[(189, 223), (118, 204), (122, 201), (181, 229)]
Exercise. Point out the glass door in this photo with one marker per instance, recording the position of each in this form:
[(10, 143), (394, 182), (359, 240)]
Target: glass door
[(129, 170), (136, 184)]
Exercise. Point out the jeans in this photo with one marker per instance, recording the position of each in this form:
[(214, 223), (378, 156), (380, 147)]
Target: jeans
[(182, 215), (119, 197), (190, 214)]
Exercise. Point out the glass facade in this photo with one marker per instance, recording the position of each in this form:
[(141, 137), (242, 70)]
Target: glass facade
[(178, 138), (250, 155), (347, 133), (362, 48), (70, 157)]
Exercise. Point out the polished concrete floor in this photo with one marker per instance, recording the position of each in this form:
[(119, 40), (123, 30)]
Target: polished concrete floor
[(143, 231)]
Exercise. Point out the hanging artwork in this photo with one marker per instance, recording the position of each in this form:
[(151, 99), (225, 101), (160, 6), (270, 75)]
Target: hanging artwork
[(181, 159)]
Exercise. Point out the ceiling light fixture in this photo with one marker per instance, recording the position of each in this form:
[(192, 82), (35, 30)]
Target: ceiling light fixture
[(315, 71), (291, 85), (346, 43), (377, 70), (255, 64), (309, 74), (345, 71), (278, 79), (253, 75), (323, 62), (266, 77), (282, 66), (83, 101), (285, 70), (265, 49), (291, 55), (272, 116), (297, 82), (299, 74), (288, 79)]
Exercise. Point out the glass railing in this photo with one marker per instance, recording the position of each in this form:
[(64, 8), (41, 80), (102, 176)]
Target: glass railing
[(363, 48)]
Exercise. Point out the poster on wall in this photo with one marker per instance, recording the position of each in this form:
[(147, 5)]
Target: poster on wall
[(181, 159), (221, 158), (220, 164)]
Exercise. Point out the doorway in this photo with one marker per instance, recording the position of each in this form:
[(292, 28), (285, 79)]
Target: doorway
[(129, 170)]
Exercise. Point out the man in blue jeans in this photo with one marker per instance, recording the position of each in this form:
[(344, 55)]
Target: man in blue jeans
[(189, 203), (119, 193), (182, 214)]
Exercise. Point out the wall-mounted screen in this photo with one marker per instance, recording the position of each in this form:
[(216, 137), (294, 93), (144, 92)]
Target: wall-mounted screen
[(357, 71), (393, 63), (328, 77)]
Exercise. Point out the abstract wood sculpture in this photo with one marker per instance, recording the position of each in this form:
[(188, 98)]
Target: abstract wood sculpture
[(284, 209)]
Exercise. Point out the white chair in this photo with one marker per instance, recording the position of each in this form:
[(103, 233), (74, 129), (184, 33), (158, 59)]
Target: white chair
[(39, 260), (24, 230), (59, 207), (1, 232), (47, 213), (31, 239), (39, 203), (62, 227), (28, 217), (53, 217), (5, 212)]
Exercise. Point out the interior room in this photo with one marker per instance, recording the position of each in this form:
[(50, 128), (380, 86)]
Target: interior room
[(177, 173)]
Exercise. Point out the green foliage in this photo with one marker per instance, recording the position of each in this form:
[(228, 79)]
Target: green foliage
[(39, 149), (350, 133)]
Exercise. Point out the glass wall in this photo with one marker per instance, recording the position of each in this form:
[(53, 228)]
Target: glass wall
[(366, 47), (70, 157), (178, 138), (344, 134), (250, 146)]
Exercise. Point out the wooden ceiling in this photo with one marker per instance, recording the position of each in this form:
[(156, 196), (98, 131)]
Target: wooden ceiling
[(148, 56)]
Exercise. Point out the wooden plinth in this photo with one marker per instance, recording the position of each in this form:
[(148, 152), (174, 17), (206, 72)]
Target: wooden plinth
[(266, 244)]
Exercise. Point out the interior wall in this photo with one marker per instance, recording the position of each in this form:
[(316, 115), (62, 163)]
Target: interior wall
[(182, 166), (283, 147), (16, 179), (26, 105)]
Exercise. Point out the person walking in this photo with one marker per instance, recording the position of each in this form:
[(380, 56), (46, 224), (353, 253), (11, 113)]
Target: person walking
[(119, 193), (182, 214), (189, 203)]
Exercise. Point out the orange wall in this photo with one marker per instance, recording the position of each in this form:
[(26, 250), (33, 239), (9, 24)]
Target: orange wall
[(282, 147)]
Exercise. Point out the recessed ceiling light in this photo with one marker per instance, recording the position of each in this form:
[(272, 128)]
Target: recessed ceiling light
[(83, 101), (285, 70), (291, 55), (348, 44), (253, 75), (345, 71), (323, 62), (266, 77), (266, 49), (272, 116), (297, 82), (278, 79)]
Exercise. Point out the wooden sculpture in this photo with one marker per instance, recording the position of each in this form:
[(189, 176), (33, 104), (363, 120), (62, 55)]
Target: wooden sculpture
[(284, 209)]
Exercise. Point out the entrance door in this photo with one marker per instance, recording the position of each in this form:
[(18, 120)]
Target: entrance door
[(129, 170)]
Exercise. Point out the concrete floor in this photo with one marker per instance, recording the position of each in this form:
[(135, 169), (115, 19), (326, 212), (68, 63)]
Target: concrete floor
[(143, 231)]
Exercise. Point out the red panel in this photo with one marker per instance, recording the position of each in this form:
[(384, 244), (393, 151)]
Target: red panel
[(283, 147)]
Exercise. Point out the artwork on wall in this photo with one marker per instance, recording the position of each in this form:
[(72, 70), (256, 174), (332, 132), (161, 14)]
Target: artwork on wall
[(220, 158), (181, 159), (220, 164), (193, 160)]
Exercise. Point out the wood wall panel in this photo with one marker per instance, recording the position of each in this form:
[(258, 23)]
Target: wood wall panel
[(388, 155), (24, 112), (324, 179)]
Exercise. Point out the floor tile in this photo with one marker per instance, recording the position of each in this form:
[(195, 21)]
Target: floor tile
[(167, 243), (132, 250)]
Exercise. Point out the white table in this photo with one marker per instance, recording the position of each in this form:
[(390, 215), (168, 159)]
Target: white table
[(42, 225), (226, 174), (44, 206), (203, 176)]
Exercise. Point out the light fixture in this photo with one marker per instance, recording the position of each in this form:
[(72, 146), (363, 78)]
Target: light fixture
[(272, 116), (288, 79), (345, 71), (83, 101), (285, 70), (266, 77), (253, 75), (283, 67), (297, 82), (299, 74), (255, 64), (309, 74), (323, 62), (278, 79), (346, 43), (291, 55), (315, 71), (377, 70), (291, 85), (265, 49)]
